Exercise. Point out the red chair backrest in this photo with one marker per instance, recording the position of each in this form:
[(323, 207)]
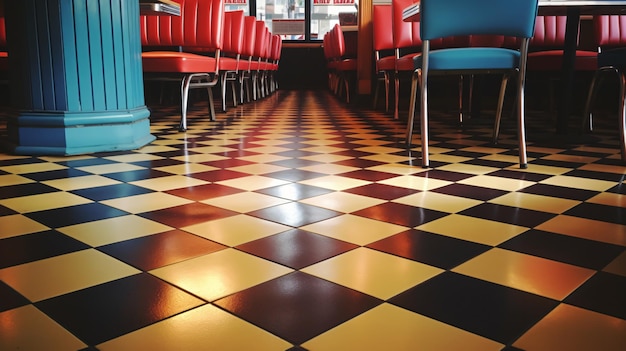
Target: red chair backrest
[(233, 32), (549, 32), (610, 31), (249, 36), (3, 34), (277, 44), (260, 41), (382, 27), (200, 24), (405, 34)]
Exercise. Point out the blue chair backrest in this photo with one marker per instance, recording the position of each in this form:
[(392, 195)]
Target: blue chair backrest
[(445, 18)]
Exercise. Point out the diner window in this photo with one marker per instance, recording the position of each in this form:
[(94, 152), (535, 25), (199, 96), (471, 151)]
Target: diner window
[(304, 20), (234, 5)]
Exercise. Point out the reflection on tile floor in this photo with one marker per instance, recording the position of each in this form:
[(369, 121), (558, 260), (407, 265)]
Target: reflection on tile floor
[(297, 222)]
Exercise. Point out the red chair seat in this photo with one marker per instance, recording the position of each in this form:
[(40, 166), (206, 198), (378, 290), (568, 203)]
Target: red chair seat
[(180, 62), (4, 61), (405, 63), (387, 63), (229, 64), (552, 60)]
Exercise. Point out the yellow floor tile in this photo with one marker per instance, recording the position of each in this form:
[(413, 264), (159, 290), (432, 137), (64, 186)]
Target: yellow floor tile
[(478, 230), (14, 225), (610, 199), (236, 230), (417, 183), (245, 201), (13, 179), (328, 168), (150, 149), (32, 168), (323, 149), (535, 202), (380, 149), (146, 202), (387, 158), (326, 158), (388, 327), (397, 168), (335, 182), (491, 182), (253, 182), (570, 158), (438, 202), (268, 149), (586, 228), (209, 278), (569, 328), (259, 168), (111, 230), (342, 202), (596, 167), (186, 168), (386, 276), (448, 158), (110, 168), (41, 202), (168, 182), (467, 168), (540, 169), (135, 157), (17, 327), (519, 271), (43, 279), (199, 158), (202, 328), (579, 183), (212, 149), (83, 182), (354, 229)]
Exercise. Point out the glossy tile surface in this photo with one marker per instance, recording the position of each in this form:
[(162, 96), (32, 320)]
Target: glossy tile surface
[(297, 222)]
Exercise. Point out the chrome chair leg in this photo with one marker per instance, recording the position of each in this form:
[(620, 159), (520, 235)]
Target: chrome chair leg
[(496, 126)]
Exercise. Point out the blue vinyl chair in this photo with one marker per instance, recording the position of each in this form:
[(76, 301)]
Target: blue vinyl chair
[(446, 18)]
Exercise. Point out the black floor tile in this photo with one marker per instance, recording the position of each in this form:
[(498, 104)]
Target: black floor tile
[(470, 191), (297, 306), (158, 250), (27, 189), (382, 191), (32, 247), (508, 214), (612, 214), (604, 293), (400, 214), (563, 248), (123, 306), (108, 192), (296, 248), (188, 214), (65, 216), (432, 249), (491, 310), (560, 192), (10, 299)]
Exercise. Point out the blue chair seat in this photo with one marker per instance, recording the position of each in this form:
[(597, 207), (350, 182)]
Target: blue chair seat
[(460, 59)]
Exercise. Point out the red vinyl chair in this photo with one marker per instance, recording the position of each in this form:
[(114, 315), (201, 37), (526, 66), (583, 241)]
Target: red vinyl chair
[(345, 66), (231, 53), (546, 52), (384, 58), (257, 65), (4, 55), (200, 24), (277, 46), (247, 54)]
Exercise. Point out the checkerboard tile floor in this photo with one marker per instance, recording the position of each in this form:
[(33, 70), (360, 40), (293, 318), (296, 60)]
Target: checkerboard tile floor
[(299, 223)]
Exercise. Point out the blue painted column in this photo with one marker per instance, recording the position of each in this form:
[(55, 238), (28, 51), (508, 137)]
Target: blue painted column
[(76, 77)]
